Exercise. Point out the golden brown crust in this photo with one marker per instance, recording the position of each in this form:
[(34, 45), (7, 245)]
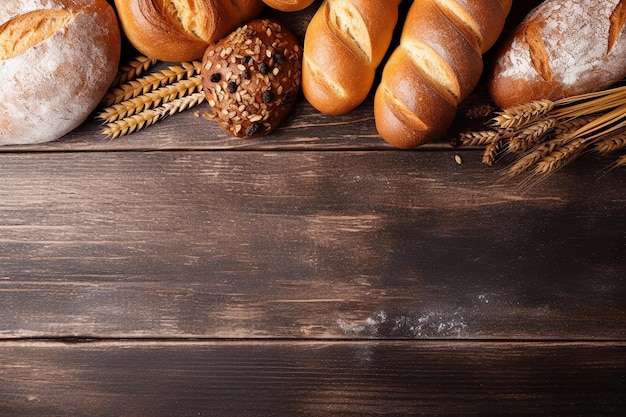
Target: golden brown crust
[(60, 69), (562, 48), (344, 44), (252, 77), (288, 5), (181, 30), (436, 66)]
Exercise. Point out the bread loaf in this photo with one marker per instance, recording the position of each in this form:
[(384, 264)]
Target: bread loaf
[(344, 44), (57, 60), (436, 66), (181, 30), (288, 5), (251, 78), (562, 48)]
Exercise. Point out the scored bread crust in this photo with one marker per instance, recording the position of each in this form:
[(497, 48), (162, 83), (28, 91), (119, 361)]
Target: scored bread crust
[(345, 42), (181, 30), (57, 60), (436, 66), (561, 49)]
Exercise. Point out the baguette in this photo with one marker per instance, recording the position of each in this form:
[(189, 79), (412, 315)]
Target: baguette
[(561, 49), (57, 60), (344, 44), (181, 30), (288, 5), (436, 66)]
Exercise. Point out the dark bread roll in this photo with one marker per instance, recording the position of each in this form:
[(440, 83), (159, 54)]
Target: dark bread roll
[(57, 60), (562, 48), (252, 77)]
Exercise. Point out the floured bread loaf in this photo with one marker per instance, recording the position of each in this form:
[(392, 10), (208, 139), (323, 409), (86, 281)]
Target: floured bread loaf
[(562, 48), (57, 60)]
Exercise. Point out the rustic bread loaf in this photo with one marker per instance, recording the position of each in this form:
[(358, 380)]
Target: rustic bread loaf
[(181, 30), (288, 5), (436, 66), (345, 42), (252, 77), (57, 60), (562, 48)]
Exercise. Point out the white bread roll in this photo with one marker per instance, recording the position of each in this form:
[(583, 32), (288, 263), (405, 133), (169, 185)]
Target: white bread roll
[(181, 30), (57, 60), (288, 5), (562, 48)]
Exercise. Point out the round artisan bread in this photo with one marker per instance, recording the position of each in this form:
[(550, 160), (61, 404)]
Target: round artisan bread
[(561, 49), (181, 30), (57, 60), (251, 78), (288, 5)]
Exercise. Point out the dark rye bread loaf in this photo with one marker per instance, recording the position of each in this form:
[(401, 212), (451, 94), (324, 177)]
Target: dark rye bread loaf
[(562, 48), (251, 78)]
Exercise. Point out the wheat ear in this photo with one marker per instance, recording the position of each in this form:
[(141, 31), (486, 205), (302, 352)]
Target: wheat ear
[(531, 135), (150, 82), (151, 99), (133, 69), (519, 116), (149, 117)]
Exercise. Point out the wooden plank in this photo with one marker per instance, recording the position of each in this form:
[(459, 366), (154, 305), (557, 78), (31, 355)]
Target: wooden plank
[(306, 244), (313, 379)]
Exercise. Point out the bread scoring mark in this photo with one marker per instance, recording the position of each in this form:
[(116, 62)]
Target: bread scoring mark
[(398, 106), (187, 15), (462, 21), (347, 20), (322, 78), (30, 29), (618, 21), (435, 69), (539, 57)]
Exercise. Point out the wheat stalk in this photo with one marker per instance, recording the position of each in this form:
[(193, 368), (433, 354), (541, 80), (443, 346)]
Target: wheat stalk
[(133, 69), (150, 82), (151, 99), (149, 117)]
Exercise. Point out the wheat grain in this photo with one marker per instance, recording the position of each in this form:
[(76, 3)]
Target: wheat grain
[(153, 81), (621, 161), (133, 69), (519, 116), (151, 99)]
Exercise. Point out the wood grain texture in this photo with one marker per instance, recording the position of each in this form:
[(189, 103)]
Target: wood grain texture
[(305, 244), (313, 379)]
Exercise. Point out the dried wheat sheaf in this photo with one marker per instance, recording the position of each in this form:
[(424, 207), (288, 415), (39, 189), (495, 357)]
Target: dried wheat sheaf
[(136, 101), (546, 135)]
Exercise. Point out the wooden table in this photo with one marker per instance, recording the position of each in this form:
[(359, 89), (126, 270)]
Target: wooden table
[(318, 272)]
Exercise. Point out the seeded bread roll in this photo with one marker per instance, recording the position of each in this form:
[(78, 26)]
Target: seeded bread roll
[(345, 42), (562, 48), (288, 5), (436, 66), (181, 30), (57, 60), (251, 78)]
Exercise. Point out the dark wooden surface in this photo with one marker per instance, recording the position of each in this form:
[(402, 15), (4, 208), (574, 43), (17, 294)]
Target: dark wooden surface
[(315, 272)]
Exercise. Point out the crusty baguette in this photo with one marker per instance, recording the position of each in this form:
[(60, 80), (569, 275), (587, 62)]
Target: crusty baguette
[(181, 30), (57, 60), (288, 5), (436, 66), (344, 43), (563, 48)]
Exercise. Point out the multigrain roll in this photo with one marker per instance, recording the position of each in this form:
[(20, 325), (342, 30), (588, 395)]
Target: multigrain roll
[(57, 60), (181, 30), (251, 78), (562, 48)]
